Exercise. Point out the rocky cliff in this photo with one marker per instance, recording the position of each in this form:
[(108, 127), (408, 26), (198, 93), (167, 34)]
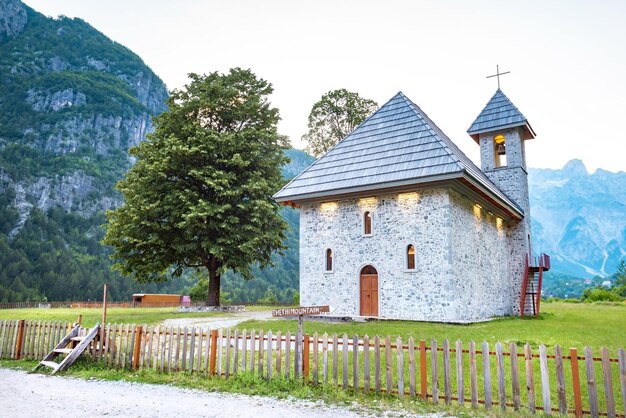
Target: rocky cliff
[(12, 19), (71, 103)]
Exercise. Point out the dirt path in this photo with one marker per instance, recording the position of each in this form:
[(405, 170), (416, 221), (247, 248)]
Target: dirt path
[(36, 395), (222, 321)]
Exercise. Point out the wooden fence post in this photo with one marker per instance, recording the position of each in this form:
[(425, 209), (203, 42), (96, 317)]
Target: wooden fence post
[(411, 367), (423, 377), (344, 348), (446, 372), (315, 359), (500, 376), (591, 383), (268, 357), (19, 342), (355, 362), (530, 382), (400, 365), (366, 362), (608, 383), (388, 364), (137, 347), (578, 403), (473, 375), (515, 388), (214, 352), (459, 372), (297, 353), (434, 370), (376, 364), (545, 381), (560, 380), (486, 375), (306, 359), (621, 358)]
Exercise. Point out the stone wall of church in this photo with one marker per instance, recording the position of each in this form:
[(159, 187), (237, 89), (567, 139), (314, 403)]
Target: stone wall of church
[(462, 273), (481, 269), (513, 181), (422, 219)]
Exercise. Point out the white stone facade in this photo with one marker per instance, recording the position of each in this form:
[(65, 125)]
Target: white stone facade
[(462, 270)]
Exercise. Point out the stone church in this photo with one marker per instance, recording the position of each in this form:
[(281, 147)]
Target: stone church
[(397, 223)]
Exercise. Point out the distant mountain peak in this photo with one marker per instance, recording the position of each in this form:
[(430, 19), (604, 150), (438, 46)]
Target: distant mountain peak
[(575, 167)]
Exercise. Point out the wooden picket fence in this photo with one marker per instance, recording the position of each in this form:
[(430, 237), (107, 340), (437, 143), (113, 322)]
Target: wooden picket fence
[(467, 374)]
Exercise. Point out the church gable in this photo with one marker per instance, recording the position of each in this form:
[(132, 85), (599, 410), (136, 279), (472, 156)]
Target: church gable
[(394, 144), (397, 147)]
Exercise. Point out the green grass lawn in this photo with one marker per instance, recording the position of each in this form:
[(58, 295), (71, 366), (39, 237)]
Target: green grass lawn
[(566, 324), (91, 316), (570, 325)]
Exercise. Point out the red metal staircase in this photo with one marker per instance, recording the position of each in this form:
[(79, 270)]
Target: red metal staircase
[(531, 286)]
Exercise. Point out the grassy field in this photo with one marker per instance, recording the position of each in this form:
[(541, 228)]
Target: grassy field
[(570, 325), (92, 315)]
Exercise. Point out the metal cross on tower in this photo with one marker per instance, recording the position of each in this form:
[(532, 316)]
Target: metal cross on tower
[(498, 74)]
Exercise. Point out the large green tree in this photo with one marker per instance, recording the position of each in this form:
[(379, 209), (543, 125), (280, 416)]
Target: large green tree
[(333, 117), (199, 195)]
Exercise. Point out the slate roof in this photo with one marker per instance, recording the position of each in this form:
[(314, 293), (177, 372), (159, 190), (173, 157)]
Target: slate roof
[(396, 146), (499, 113)]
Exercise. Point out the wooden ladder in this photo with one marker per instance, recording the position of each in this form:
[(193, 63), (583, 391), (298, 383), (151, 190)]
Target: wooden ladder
[(531, 306), (71, 354), (531, 285)]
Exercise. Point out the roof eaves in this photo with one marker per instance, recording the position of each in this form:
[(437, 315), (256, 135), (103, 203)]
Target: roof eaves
[(496, 127), (370, 188)]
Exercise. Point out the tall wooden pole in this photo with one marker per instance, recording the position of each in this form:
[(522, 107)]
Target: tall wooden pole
[(104, 304), (298, 350), (104, 315)]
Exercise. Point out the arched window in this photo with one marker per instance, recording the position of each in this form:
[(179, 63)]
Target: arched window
[(410, 257), (367, 223), (329, 260)]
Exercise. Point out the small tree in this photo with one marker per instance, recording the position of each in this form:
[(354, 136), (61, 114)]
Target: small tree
[(333, 117), (620, 274), (199, 195), (619, 286)]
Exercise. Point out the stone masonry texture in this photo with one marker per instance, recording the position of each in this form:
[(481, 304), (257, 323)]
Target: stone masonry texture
[(463, 272)]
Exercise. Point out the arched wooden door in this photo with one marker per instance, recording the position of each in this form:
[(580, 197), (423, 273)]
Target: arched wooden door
[(369, 291)]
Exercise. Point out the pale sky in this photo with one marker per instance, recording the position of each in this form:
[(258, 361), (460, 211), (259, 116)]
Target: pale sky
[(567, 59)]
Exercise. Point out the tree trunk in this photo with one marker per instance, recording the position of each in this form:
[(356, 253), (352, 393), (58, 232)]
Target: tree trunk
[(213, 298)]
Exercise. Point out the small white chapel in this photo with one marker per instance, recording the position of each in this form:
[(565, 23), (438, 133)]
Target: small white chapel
[(397, 223)]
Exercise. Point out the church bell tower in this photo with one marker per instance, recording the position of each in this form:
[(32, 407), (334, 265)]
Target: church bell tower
[(501, 131)]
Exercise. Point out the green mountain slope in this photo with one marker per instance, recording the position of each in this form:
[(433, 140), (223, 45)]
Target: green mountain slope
[(71, 104)]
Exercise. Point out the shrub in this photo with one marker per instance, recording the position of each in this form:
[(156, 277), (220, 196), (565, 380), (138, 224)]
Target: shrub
[(598, 294)]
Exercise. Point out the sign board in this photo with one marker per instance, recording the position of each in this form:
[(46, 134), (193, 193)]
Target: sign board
[(303, 310)]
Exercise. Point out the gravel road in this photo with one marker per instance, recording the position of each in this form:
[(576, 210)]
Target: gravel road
[(222, 321), (36, 395)]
